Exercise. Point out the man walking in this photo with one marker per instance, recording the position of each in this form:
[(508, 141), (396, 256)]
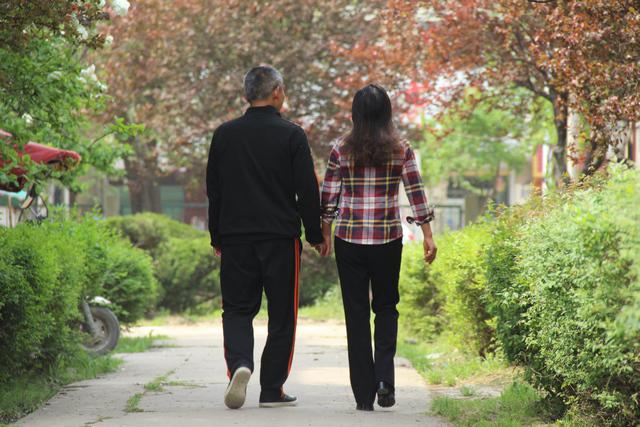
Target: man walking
[(261, 184)]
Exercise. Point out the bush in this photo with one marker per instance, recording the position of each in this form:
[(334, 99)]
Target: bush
[(421, 298), (45, 270), (148, 231), (449, 296), (188, 272), (317, 276), (41, 279), (578, 271)]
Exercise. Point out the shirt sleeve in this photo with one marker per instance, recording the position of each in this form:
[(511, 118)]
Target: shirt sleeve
[(422, 212), (331, 187), (306, 186), (213, 194)]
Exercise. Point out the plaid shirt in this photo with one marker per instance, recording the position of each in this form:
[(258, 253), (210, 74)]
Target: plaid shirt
[(365, 199)]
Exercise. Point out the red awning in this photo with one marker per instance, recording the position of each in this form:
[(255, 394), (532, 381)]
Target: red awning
[(41, 154)]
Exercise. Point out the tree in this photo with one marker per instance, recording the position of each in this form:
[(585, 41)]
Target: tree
[(574, 54), (177, 67), (46, 90), (474, 142)]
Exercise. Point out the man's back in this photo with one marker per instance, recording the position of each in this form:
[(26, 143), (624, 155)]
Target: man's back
[(260, 180)]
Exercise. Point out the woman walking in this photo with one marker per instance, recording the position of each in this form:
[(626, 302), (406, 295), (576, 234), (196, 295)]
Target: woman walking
[(360, 191)]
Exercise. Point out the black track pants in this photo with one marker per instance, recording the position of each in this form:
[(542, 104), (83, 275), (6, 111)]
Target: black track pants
[(358, 267), (245, 270)]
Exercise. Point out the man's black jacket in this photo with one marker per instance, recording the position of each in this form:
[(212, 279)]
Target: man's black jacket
[(261, 181)]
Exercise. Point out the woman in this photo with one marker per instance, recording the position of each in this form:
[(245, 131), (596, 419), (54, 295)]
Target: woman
[(361, 190)]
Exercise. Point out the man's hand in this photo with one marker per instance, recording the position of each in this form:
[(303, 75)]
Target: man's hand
[(216, 251), (320, 247), (326, 235), (430, 250)]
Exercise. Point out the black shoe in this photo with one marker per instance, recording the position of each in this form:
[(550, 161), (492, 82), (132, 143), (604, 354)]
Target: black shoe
[(283, 400), (364, 407), (236, 392), (386, 395)]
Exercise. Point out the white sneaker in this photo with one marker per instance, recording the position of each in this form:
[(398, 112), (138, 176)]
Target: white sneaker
[(236, 392)]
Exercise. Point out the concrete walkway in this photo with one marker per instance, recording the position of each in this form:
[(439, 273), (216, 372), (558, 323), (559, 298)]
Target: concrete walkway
[(195, 380)]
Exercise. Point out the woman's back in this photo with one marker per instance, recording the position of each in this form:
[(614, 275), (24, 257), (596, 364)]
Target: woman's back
[(364, 199)]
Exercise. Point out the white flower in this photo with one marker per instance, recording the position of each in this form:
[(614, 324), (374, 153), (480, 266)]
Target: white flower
[(101, 3), (55, 75), (84, 34), (88, 75), (102, 86), (120, 7), (27, 118), (108, 41)]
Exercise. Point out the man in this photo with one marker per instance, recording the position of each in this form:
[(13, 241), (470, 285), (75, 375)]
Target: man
[(261, 184)]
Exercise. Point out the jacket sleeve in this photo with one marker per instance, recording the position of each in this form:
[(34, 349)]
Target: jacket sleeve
[(306, 187), (331, 187), (213, 193)]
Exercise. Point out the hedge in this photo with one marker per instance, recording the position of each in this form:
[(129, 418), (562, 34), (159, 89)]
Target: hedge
[(555, 286), (45, 270), (188, 272), (449, 297)]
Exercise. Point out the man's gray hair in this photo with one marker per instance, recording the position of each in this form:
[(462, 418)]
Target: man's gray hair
[(260, 81)]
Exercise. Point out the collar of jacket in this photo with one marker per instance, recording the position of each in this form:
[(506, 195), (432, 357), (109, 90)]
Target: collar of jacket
[(269, 109)]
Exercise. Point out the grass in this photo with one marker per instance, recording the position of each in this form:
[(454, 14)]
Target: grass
[(518, 405), (138, 344), (440, 363), (133, 402), (26, 393), (328, 307)]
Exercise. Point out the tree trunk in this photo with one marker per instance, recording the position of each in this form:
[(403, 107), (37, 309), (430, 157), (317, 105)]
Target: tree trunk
[(142, 178), (560, 120)]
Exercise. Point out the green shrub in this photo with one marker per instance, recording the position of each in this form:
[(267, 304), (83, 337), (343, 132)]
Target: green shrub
[(148, 231), (188, 272), (317, 276), (45, 270), (41, 279), (450, 296), (421, 297), (578, 271)]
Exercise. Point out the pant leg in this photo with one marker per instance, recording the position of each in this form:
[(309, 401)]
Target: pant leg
[(280, 267), (384, 264), (351, 260), (241, 297)]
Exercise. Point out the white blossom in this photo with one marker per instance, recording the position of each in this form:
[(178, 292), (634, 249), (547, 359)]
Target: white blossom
[(108, 41), (27, 118), (82, 30), (101, 3), (120, 7), (55, 75)]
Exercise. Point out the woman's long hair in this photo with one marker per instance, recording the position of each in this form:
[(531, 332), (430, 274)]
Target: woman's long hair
[(373, 139)]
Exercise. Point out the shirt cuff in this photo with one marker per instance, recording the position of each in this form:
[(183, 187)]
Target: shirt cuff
[(422, 219)]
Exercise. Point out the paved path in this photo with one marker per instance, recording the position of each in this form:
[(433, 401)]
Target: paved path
[(196, 375)]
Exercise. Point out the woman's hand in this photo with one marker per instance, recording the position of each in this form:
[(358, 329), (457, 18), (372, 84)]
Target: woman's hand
[(430, 250), (429, 245)]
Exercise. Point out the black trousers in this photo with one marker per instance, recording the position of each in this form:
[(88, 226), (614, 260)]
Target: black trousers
[(247, 269), (378, 266)]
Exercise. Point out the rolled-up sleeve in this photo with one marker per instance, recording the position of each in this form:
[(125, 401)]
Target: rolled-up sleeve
[(413, 186), (331, 187)]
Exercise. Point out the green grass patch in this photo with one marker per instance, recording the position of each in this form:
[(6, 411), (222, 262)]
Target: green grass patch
[(24, 394), (440, 363), (518, 405), (329, 307), (157, 384), (138, 344), (133, 402)]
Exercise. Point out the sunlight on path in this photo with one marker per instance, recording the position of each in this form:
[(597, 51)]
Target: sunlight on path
[(191, 392)]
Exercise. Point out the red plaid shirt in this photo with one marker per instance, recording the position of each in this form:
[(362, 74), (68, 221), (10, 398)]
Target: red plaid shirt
[(365, 199)]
